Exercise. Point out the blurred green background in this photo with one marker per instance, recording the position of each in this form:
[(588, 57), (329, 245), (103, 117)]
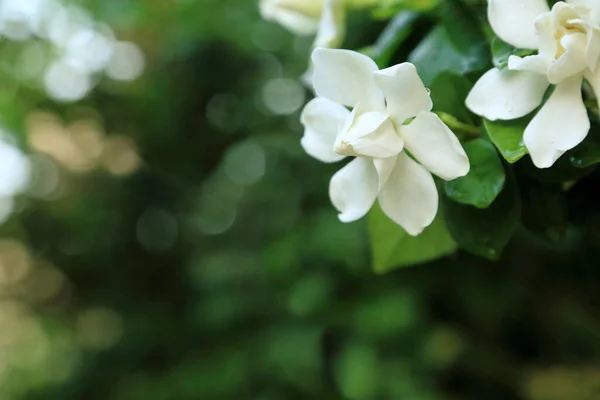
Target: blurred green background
[(175, 241)]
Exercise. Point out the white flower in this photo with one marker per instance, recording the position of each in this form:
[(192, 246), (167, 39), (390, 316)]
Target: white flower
[(391, 111), (308, 17), (568, 42)]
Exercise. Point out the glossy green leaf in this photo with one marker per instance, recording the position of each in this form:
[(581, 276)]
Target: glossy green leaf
[(449, 91), (392, 37), (485, 180), (588, 152), (501, 51), (485, 232), (507, 136), (393, 248), (437, 53)]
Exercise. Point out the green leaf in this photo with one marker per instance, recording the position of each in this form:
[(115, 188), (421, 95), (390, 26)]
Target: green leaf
[(485, 180), (501, 51), (393, 248), (464, 28), (507, 136), (485, 232), (394, 34), (588, 152), (437, 53), (449, 91)]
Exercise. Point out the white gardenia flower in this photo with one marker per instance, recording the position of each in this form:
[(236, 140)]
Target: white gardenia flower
[(568, 42), (391, 111)]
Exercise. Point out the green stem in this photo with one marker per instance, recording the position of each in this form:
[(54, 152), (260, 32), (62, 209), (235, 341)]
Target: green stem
[(462, 130)]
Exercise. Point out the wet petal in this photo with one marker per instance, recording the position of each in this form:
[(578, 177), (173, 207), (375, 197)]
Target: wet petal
[(507, 94)]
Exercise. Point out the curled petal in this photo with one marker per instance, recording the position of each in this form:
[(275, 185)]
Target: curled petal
[(346, 77), (573, 61), (435, 146), (409, 197), (370, 134), (353, 189), (561, 124), (322, 119), (404, 92), (514, 20), (507, 94)]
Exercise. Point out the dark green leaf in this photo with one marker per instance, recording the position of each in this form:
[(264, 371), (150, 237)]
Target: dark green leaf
[(501, 51), (449, 91), (507, 136), (485, 232), (392, 37), (485, 180), (436, 53), (588, 152), (393, 248)]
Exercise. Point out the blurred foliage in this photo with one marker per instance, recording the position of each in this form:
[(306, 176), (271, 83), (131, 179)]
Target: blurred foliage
[(199, 256)]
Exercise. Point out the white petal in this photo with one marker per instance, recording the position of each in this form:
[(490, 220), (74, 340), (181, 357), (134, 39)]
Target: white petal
[(593, 49), (561, 124), (353, 189), (514, 20), (404, 92), (370, 134), (504, 94), (332, 25), (430, 141), (409, 197), (346, 77), (384, 167), (535, 63), (322, 119)]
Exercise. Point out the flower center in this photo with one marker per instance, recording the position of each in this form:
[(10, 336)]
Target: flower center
[(570, 27)]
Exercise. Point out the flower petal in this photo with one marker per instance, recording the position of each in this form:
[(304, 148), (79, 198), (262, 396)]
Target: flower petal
[(561, 124), (370, 134), (384, 167), (514, 20), (353, 189), (435, 146), (507, 94), (409, 197), (346, 77), (404, 92), (332, 27), (322, 119)]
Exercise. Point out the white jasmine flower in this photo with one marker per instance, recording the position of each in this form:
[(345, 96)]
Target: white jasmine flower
[(568, 42), (391, 111)]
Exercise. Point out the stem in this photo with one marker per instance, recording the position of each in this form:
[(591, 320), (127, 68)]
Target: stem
[(462, 130)]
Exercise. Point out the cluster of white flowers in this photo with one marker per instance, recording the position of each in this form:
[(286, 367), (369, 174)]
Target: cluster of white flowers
[(390, 110), (567, 39), (76, 50)]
